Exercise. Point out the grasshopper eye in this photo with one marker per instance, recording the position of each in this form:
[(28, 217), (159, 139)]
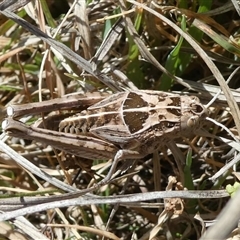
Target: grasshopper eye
[(192, 121), (189, 124)]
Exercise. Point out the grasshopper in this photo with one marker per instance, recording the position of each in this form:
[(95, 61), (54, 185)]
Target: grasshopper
[(124, 125)]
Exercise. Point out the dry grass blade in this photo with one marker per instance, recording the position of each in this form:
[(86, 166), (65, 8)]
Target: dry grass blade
[(72, 199), (83, 26), (236, 6), (28, 228), (230, 212), (12, 5), (209, 91), (109, 40)]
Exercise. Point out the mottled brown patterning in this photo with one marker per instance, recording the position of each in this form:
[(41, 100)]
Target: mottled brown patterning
[(138, 120), (125, 125)]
